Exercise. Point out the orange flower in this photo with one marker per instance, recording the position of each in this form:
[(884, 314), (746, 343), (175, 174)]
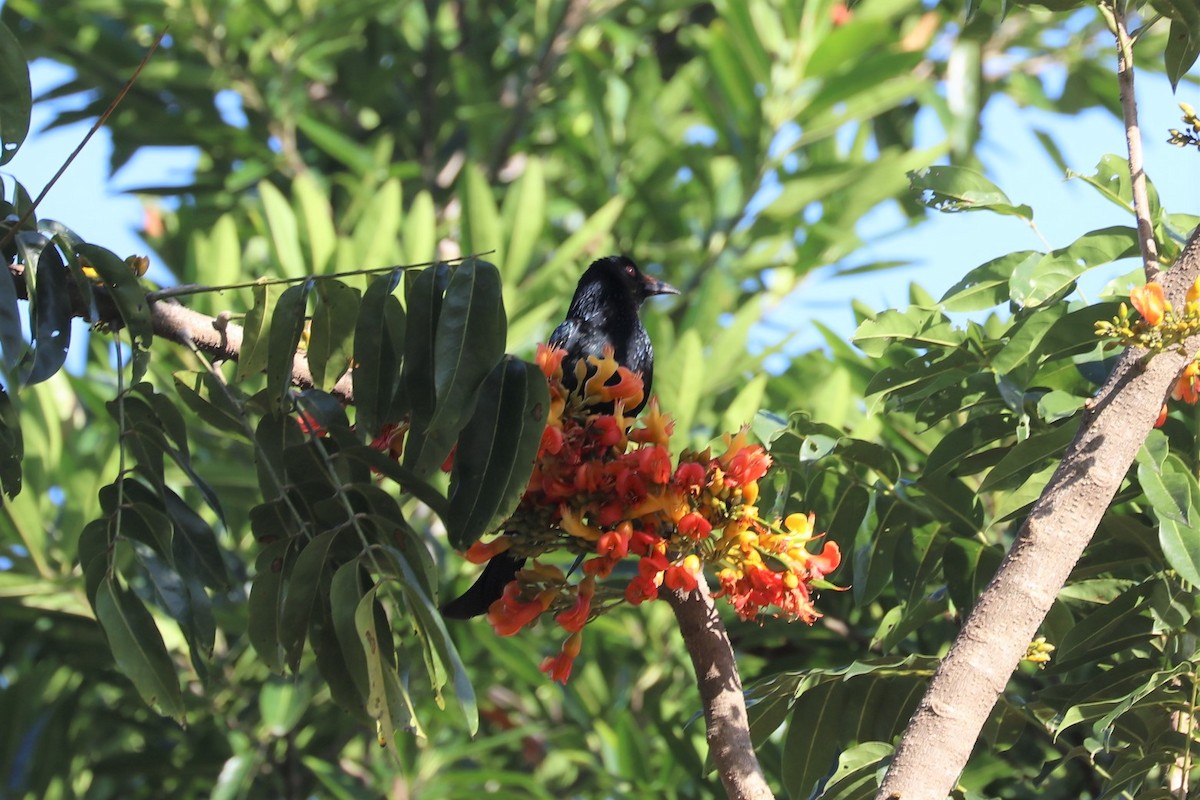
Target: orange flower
[(482, 552), (1187, 388), (1150, 302), (747, 465), (574, 618), (821, 564), (1162, 416), (510, 613), (559, 667)]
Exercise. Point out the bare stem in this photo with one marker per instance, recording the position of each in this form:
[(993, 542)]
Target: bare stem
[(1133, 139), (728, 728)]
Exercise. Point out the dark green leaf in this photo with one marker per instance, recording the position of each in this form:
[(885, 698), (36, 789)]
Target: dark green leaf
[(377, 370), (1183, 47), (331, 342), (968, 566), (1029, 456), (304, 582), (256, 330), (138, 647), (12, 340), (12, 446), (287, 325), (266, 602), (16, 96), (496, 450), (51, 313)]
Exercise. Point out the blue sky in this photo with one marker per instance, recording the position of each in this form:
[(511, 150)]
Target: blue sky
[(941, 249)]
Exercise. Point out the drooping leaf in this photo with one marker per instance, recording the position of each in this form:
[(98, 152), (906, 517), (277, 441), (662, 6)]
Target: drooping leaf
[(331, 340), (256, 330), (282, 230), (304, 582), (377, 374), (137, 645), (287, 325), (496, 450), (16, 95), (52, 315)]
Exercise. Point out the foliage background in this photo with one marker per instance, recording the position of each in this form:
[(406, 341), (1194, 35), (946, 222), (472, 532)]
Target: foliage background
[(550, 133)]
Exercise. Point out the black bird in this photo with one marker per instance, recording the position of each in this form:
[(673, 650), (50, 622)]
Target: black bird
[(603, 313)]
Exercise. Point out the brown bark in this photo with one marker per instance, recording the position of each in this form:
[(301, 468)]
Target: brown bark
[(728, 727), (939, 738)]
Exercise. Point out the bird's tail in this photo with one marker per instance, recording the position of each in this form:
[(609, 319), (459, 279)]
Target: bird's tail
[(487, 589)]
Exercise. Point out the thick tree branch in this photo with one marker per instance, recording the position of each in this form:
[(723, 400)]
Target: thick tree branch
[(939, 738), (1133, 140), (728, 728)]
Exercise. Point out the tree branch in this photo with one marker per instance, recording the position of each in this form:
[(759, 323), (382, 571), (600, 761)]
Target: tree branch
[(728, 728), (939, 738), (1133, 141), (216, 336)]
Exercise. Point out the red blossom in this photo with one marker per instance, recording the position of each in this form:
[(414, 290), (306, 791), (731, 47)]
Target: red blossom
[(680, 577), (390, 440), (653, 463), (690, 477), (574, 618), (1150, 302), (615, 544), (747, 465), (510, 613), (559, 667), (641, 589), (821, 564), (694, 526)]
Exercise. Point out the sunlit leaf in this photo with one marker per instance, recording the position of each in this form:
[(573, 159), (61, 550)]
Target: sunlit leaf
[(962, 189)]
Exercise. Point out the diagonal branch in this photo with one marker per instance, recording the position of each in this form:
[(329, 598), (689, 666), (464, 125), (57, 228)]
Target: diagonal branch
[(939, 738)]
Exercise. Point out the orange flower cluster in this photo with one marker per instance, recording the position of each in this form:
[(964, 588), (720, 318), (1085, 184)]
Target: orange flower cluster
[(1159, 328), (609, 491)]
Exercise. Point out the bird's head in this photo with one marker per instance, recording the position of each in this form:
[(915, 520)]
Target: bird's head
[(620, 273)]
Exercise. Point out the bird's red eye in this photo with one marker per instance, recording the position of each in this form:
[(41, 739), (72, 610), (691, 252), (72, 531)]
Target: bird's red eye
[(630, 270)]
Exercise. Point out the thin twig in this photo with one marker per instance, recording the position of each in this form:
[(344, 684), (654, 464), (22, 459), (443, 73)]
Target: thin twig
[(1133, 139)]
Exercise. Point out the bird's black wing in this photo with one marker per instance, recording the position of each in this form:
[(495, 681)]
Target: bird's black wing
[(500, 570)]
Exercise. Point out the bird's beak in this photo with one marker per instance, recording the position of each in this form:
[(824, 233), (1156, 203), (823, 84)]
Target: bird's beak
[(655, 286)]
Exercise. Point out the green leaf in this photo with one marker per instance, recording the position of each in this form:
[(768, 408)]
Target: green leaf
[(855, 775), (1029, 456), (386, 703), (524, 217), (968, 566), (469, 342), (266, 602), (986, 285), (1183, 47), (345, 593), (138, 647), (303, 584), (1112, 628), (381, 323), (50, 314), (1034, 283), (1181, 547), (915, 327), (481, 219), (337, 144), (12, 339), (287, 325), (423, 305), (331, 339), (16, 95), (283, 232), (433, 629), (376, 231), (256, 330), (839, 708), (419, 233), (961, 189), (12, 446), (496, 450), (317, 230)]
